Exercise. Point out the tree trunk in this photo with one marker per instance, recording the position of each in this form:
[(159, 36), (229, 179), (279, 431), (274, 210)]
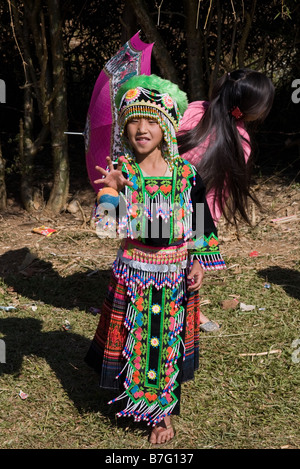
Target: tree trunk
[(197, 88), (27, 152), (27, 28), (26, 126), (160, 52), (58, 114), (246, 31), (128, 22), (215, 71), (3, 196), (45, 83)]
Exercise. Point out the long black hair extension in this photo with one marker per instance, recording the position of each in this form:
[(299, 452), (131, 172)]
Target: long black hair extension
[(223, 167)]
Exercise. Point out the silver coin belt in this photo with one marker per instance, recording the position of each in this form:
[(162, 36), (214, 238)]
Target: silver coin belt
[(146, 267)]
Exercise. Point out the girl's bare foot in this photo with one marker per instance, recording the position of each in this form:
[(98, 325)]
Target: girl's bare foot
[(208, 326), (162, 432), (203, 319)]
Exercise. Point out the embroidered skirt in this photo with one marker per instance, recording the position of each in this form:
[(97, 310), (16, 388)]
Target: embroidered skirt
[(147, 340)]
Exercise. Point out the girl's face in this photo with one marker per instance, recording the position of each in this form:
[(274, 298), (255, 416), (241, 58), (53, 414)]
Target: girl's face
[(144, 135)]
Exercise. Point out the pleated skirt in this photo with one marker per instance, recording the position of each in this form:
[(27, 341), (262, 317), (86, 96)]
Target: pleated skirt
[(148, 373)]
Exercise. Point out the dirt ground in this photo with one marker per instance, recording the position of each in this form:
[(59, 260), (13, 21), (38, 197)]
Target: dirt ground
[(243, 404), (274, 238)]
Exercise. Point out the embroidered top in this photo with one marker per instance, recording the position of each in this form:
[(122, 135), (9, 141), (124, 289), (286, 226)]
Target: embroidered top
[(165, 211)]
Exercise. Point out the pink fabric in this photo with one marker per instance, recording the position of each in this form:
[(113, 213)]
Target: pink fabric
[(102, 134), (190, 119)]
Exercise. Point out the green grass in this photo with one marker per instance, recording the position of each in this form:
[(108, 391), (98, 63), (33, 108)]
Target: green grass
[(234, 402)]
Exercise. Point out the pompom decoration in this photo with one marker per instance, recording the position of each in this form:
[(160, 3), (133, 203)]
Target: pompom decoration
[(236, 112), (108, 197)]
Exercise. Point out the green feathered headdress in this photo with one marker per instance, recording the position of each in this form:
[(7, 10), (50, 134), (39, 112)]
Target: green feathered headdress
[(152, 97)]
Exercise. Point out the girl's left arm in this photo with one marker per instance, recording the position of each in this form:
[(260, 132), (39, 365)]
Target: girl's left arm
[(195, 276), (204, 246)]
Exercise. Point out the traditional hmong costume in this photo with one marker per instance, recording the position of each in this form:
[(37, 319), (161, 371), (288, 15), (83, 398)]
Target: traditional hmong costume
[(147, 340)]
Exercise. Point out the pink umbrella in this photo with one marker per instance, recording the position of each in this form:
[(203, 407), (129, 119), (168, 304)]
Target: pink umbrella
[(101, 129)]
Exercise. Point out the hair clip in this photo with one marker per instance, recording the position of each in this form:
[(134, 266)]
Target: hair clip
[(236, 112)]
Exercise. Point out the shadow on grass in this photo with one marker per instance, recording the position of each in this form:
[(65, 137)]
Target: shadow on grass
[(288, 279), (40, 282), (64, 351)]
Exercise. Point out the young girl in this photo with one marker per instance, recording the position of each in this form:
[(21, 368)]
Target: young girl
[(147, 340), (212, 137)]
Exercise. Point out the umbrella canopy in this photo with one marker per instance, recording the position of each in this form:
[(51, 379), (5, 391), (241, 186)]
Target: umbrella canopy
[(101, 130)]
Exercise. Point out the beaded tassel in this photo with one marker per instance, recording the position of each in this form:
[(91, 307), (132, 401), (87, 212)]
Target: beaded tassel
[(136, 278), (211, 262), (142, 409)]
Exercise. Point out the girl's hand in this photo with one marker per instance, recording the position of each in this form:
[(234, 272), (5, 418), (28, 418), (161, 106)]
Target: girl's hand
[(113, 177), (195, 277)]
